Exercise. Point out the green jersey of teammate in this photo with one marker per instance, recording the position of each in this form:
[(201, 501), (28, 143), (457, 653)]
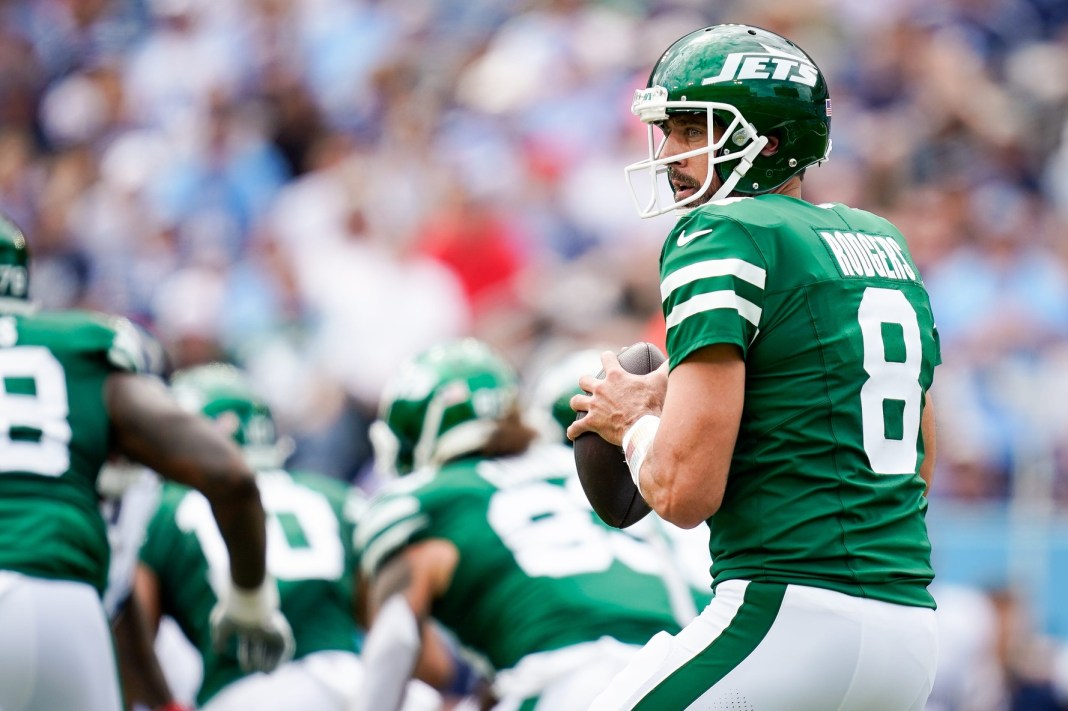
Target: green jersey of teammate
[(309, 551), (546, 575), (830, 313), (50, 451)]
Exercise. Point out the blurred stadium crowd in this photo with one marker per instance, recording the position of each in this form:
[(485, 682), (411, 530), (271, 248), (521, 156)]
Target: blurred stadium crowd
[(317, 189)]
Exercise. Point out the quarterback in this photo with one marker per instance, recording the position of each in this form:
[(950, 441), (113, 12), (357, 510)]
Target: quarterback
[(792, 416)]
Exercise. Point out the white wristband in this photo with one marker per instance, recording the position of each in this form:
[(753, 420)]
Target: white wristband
[(636, 443), (252, 606)]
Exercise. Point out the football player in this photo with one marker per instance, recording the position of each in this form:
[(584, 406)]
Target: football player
[(309, 551), (792, 414), (71, 394), (490, 536), (129, 495)]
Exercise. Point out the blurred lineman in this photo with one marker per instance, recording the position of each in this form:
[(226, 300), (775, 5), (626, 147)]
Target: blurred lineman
[(309, 551), (72, 394), (792, 414), (487, 535), (129, 495)]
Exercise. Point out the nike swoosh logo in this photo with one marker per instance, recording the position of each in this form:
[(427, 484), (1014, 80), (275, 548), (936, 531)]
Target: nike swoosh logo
[(685, 239)]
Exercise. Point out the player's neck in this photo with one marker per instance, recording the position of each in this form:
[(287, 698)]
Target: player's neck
[(791, 188)]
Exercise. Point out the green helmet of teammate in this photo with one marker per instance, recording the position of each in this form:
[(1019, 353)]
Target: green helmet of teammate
[(444, 403), (224, 394), (14, 262), (549, 407), (755, 84)]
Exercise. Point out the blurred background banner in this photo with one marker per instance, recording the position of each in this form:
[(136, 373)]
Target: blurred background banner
[(317, 189)]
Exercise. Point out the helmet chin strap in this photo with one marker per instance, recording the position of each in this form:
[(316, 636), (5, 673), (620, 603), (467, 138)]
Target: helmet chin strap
[(745, 162)]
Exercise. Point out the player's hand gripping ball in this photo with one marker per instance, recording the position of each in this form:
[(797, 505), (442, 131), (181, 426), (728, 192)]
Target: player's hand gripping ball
[(602, 468)]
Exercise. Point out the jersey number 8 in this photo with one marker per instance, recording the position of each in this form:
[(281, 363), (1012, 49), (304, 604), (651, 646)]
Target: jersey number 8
[(34, 430), (892, 392)]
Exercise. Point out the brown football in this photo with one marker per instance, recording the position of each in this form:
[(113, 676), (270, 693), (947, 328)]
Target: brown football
[(602, 468)]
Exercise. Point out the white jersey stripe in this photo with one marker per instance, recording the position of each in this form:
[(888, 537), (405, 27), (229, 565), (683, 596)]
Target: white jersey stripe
[(388, 542), (711, 301), (712, 268)]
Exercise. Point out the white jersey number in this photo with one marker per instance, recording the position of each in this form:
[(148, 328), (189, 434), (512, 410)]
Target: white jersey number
[(303, 534), (552, 536), (891, 384), (38, 415)]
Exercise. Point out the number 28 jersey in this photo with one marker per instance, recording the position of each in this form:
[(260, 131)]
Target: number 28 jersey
[(835, 325), (54, 437)]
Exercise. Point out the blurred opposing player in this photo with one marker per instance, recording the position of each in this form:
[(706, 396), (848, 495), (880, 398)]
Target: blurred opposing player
[(309, 551), (485, 534), (792, 414), (72, 394)]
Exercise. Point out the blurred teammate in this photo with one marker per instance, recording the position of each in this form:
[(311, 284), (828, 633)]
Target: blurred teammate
[(129, 496), (72, 394), (793, 413), (309, 551), (491, 537)]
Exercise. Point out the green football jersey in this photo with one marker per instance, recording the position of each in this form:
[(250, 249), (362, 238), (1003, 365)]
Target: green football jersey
[(537, 571), (835, 325), (309, 552), (54, 437)]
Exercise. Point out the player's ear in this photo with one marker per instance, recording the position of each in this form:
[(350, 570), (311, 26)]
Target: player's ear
[(773, 146)]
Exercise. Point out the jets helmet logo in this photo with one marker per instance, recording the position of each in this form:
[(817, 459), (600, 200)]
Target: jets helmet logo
[(770, 64)]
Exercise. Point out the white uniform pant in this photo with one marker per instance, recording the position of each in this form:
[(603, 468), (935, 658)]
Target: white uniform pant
[(55, 647), (768, 647), (565, 679), (325, 681)]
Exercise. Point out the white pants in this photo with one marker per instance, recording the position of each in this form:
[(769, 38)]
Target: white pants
[(55, 647), (565, 679), (763, 647), (325, 681)]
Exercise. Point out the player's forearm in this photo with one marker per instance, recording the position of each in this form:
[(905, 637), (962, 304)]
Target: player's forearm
[(664, 484), (241, 523), (436, 664), (927, 431), (139, 669), (683, 487)]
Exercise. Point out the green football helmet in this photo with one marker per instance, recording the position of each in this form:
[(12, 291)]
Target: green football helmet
[(444, 403), (223, 393), (14, 262), (754, 84), (550, 398)]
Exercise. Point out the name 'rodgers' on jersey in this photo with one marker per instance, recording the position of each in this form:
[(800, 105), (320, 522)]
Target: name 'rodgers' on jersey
[(830, 313)]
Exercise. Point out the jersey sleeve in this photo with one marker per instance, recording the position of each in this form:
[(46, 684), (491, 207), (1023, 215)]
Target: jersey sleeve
[(129, 350), (392, 522), (712, 279), (354, 508)]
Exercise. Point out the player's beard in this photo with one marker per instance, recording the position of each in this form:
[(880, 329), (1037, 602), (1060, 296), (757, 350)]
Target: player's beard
[(686, 181)]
